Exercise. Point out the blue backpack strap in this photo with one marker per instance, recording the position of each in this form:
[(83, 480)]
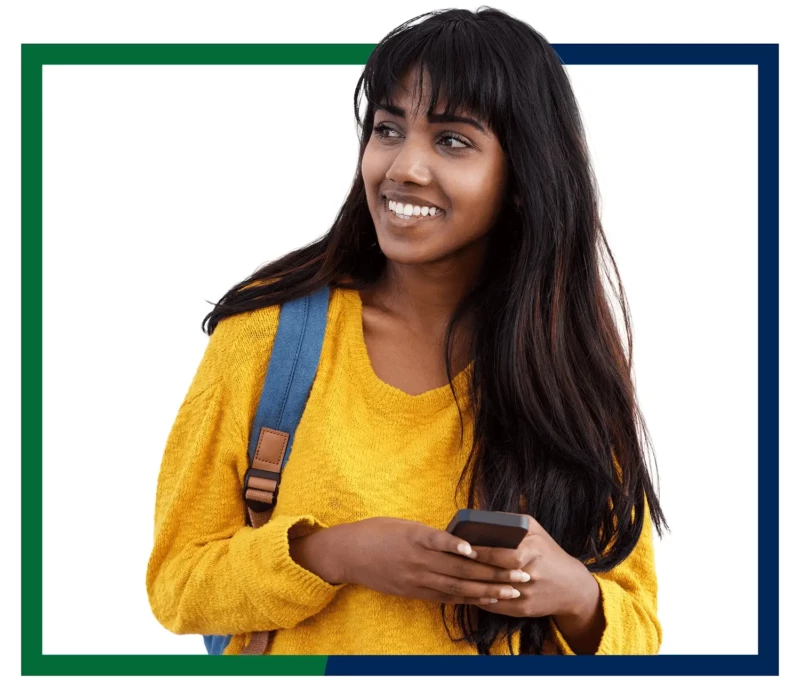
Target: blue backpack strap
[(287, 385), (292, 367), (216, 643)]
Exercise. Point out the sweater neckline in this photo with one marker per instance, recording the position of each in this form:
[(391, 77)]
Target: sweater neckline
[(382, 392)]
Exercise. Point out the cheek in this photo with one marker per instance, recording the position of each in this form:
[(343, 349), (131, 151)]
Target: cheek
[(478, 203), (479, 171), (371, 161), (371, 173), (481, 197)]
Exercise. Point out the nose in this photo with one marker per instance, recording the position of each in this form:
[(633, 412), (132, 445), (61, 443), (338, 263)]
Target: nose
[(411, 163)]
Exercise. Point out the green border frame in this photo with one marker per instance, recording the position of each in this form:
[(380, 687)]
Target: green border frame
[(34, 58)]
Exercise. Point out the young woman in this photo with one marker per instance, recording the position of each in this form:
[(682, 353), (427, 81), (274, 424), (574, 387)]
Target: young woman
[(468, 341)]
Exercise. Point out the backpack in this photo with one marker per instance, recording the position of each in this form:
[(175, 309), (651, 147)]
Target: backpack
[(287, 384)]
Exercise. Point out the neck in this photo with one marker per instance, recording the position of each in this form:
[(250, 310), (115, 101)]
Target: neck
[(422, 299)]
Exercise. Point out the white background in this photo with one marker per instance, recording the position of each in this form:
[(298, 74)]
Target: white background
[(168, 184), (165, 185)]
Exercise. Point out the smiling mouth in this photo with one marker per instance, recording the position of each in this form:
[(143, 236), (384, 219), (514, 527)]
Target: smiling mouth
[(411, 218)]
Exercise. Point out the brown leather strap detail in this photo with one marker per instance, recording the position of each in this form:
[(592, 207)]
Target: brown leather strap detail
[(257, 645), (256, 495), (270, 449), (257, 482), (258, 519), (269, 456)]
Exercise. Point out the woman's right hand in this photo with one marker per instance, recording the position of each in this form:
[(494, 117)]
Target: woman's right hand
[(407, 558)]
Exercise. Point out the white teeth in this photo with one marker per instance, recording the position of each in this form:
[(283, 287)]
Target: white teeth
[(408, 210)]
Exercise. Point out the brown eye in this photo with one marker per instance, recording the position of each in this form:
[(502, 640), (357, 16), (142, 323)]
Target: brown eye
[(453, 136), (380, 131)]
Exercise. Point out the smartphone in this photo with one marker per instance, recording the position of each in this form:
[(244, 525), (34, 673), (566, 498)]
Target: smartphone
[(489, 528)]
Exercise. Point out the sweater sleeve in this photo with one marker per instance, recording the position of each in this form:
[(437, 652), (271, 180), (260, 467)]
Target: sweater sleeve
[(208, 572), (629, 594)]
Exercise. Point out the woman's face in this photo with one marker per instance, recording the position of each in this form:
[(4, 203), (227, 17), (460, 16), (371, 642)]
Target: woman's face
[(451, 165)]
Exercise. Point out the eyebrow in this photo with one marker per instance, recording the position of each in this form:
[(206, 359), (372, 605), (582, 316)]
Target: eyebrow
[(435, 118)]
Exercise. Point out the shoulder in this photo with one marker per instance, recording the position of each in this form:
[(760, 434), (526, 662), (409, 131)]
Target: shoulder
[(236, 347), (240, 346), (241, 330), (251, 335), (261, 325)]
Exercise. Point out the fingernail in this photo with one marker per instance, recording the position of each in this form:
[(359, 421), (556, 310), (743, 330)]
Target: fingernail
[(509, 593), (521, 576), (464, 548), (493, 600)]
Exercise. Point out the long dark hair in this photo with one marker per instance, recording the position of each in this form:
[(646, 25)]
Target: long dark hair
[(556, 430)]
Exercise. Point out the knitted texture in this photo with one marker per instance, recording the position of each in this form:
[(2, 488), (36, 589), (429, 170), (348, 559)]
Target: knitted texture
[(362, 449)]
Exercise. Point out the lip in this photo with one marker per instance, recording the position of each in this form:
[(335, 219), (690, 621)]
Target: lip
[(400, 222)]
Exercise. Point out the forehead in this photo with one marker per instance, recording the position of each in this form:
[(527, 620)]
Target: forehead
[(408, 96)]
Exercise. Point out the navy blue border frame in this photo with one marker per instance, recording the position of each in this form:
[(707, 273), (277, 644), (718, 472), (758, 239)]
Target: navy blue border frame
[(765, 56)]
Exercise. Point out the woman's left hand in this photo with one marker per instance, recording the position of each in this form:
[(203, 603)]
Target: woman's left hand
[(559, 585)]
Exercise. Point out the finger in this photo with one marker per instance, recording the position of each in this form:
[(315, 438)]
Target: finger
[(455, 566), (437, 597), (443, 541), (459, 587), (502, 557), (511, 608)]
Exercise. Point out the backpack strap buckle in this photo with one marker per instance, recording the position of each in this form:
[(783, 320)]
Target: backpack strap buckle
[(262, 479), (261, 488)]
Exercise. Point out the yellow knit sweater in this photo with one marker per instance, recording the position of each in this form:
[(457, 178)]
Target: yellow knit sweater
[(363, 448)]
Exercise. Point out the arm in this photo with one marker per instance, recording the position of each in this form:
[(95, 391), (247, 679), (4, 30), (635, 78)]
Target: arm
[(317, 553), (619, 615), (208, 573)]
